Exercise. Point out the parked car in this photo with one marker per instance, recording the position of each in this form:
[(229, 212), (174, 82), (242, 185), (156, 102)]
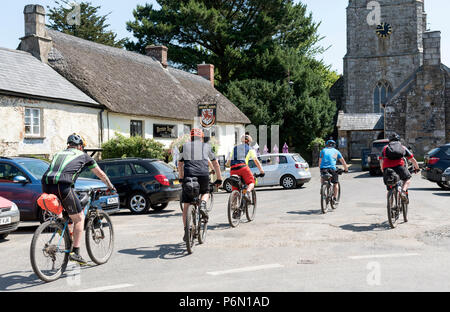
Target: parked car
[(9, 217), (288, 170), (376, 150), (446, 177), (435, 163), (142, 183), (20, 182)]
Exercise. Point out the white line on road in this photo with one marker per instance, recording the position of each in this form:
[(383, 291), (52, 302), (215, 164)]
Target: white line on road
[(105, 288), (247, 269), (384, 256)]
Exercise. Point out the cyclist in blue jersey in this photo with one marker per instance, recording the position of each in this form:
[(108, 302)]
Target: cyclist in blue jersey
[(327, 163)]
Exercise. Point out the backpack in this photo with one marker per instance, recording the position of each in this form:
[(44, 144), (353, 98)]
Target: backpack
[(390, 177), (395, 151), (50, 202), (191, 188)]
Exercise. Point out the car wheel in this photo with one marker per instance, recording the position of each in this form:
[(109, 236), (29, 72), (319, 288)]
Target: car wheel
[(444, 186), (138, 203), (159, 207), (288, 182), (227, 186), (3, 236)]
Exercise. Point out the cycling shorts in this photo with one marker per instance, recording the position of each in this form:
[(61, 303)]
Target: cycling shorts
[(66, 194)]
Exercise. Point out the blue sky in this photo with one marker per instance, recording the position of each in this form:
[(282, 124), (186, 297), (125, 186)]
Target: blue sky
[(331, 13)]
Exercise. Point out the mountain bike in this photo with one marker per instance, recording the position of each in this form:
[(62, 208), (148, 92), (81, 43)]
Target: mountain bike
[(240, 202), (209, 203), (327, 196), (196, 226), (52, 241)]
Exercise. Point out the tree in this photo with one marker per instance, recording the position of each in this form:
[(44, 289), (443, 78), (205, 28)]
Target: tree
[(91, 26), (228, 34)]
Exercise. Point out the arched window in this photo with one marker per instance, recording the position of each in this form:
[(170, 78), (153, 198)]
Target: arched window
[(382, 92)]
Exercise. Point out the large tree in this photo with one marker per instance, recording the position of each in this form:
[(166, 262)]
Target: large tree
[(86, 24)]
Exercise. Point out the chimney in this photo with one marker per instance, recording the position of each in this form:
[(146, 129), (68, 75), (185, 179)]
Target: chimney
[(159, 53), (36, 40), (432, 48), (206, 71)]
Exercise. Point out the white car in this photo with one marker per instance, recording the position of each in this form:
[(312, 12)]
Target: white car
[(288, 170)]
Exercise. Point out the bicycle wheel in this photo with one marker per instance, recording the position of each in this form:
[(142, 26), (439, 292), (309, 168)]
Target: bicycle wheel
[(100, 237), (210, 202), (324, 197), (202, 229), (405, 211), (190, 229), (49, 251), (335, 204), (250, 210), (234, 209), (392, 208)]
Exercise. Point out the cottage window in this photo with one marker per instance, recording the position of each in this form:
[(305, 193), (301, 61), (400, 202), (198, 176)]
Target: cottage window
[(136, 128), (33, 122), (382, 92)]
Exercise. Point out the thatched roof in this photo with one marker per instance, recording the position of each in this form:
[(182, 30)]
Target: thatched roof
[(21, 74), (130, 83)]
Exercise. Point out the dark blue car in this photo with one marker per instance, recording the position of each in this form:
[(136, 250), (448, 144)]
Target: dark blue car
[(20, 182), (436, 162)]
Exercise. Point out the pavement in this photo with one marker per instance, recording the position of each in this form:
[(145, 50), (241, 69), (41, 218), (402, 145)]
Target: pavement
[(289, 247)]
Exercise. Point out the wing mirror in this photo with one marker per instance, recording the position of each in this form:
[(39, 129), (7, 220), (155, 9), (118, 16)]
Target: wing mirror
[(20, 179)]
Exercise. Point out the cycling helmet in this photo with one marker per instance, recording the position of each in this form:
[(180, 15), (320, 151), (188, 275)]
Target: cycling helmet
[(394, 137), (197, 133), (75, 139), (331, 143), (246, 138)]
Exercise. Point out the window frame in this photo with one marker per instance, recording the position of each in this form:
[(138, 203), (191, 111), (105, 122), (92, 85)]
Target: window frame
[(378, 102), (33, 135), (134, 127)]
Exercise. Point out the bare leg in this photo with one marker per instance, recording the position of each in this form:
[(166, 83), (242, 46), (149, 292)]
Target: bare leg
[(336, 190), (250, 187), (78, 227), (185, 209), (406, 185)]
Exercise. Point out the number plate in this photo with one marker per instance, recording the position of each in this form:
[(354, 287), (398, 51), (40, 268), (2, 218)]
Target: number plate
[(113, 200), (176, 182), (4, 221)]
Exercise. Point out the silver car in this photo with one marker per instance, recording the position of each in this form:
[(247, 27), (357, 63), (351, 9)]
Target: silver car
[(288, 170), (9, 217)]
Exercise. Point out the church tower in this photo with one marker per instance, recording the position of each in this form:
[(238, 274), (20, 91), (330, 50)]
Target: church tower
[(384, 48)]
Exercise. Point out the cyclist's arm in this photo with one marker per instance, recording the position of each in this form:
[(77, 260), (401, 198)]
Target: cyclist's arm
[(344, 163), (102, 176), (320, 162), (415, 163), (258, 164), (216, 167), (180, 169)]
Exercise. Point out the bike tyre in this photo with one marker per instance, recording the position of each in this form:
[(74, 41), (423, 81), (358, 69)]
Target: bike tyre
[(190, 229), (234, 196), (335, 205), (250, 210), (324, 193), (392, 201), (90, 231)]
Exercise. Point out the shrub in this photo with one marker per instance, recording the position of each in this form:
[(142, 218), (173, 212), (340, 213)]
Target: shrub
[(136, 146)]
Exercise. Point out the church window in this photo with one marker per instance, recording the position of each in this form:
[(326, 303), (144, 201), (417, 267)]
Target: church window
[(382, 92)]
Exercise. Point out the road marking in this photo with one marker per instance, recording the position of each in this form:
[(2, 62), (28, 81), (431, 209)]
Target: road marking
[(384, 256), (105, 288), (247, 269)]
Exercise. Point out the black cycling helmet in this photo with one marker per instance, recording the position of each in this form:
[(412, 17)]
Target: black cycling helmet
[(394, 137), (75, 140)]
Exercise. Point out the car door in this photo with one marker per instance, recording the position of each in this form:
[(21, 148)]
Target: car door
[(120, 174), (272, 170), (22, 194)]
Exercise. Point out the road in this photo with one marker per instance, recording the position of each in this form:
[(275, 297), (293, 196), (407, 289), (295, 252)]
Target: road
[(290, 247)]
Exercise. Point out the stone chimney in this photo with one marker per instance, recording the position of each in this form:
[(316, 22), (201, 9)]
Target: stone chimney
[(36, 40), (432, 48), (206, 71), (159, 53)]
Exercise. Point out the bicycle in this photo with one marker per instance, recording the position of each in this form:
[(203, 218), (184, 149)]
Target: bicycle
[(209, 203), (239, 202), (327, 197), (52, 241), (395, 203), (196, 226)]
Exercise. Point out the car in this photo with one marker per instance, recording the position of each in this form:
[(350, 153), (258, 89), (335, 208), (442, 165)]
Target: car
[(9, 217), (288, 170), (376, 150), (20, 182), (446, 177), (436, 162), (142, 183)]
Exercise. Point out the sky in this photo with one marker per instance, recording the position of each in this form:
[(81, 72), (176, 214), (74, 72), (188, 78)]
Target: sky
[(331, 14)]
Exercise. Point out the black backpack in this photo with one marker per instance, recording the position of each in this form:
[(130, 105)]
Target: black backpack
[(395, 151), (390, 177), (191, 188)]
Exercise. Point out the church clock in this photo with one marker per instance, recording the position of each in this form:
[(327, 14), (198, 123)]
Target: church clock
[(384, 30)]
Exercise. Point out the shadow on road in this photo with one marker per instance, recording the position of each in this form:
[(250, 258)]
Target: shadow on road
[(8, 281), (358, 227), (425, 189), (167, 251), (164, 214), (366, 176), (443, 194), (308, 212), (219, 226)]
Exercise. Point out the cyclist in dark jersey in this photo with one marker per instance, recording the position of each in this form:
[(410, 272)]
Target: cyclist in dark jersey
[(59, 180)]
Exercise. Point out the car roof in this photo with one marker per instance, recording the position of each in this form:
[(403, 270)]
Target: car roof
[(18, 158), (127, 159)]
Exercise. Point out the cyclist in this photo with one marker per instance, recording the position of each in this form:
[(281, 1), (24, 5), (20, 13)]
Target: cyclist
[(59, 180), (238, 160), (194, 163), (393, 157), (327, 163)]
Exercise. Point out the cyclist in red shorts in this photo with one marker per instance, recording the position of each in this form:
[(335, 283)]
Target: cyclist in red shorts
[(239, 158)]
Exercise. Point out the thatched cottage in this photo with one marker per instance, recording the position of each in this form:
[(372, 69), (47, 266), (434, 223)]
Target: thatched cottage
[(140, 94)]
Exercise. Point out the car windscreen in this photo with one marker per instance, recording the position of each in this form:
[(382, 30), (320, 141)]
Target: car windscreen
[(434, 152), (36, 167), (162, 167), (298, 158)]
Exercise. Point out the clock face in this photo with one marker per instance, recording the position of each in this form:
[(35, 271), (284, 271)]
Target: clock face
[(384, 30)]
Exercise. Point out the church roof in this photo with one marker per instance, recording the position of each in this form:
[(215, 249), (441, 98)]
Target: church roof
[(360, 122), (22, 74), (131, 83)]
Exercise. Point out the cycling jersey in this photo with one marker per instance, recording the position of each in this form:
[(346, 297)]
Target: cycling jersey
[(391, 163), (241, 155), (329, 158), (66, 166), (195, 156)]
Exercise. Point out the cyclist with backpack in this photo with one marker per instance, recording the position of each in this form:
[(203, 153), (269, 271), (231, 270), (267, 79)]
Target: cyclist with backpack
[(393, 157)]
